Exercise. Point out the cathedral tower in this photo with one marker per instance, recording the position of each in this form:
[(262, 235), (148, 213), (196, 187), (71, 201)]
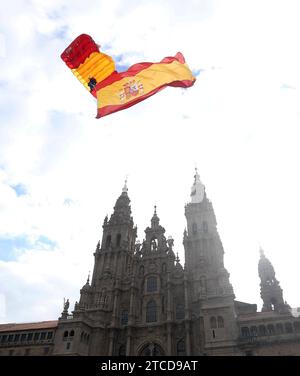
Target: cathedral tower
[(114, 257), (270, 290), (211, 292), (101, 300)]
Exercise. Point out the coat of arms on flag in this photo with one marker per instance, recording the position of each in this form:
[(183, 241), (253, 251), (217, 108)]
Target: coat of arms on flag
[(131, 88)]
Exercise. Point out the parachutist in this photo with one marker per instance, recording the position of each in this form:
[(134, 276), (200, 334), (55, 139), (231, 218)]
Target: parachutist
[(92, 83)]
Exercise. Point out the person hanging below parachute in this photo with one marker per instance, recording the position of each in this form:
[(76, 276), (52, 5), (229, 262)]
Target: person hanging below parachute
[(117, 91)]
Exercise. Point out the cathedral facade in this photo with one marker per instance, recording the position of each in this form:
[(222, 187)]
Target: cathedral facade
[(142, 301)]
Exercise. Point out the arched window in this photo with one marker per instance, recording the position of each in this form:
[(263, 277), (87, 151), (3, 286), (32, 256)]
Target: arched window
[(181, 347), (118, 242), (213, 322), (245, 331), (271, 329), (141, 271), (253, 331), (274, 303), (66, 334), (108, 241), (3, 338), (194, 228), (151, 311), (297, 326), (220, 322), (205, 226), (72, 333), (153, 244), (151, 284), (262, 330), (122, 350), (179, 311), (35, 338), (124, 317), (288, 327), (279, 328), (151, 349)]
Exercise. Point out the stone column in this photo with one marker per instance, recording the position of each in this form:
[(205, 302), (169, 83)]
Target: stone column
[(114, 321), (187, 317), (169, 316), (130, 317), (128, 341), (111, 342)]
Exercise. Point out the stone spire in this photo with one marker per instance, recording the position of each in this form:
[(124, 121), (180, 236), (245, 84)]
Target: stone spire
[(125, 189), (154, 219), (122, 210), (270, 290), (198, 189)]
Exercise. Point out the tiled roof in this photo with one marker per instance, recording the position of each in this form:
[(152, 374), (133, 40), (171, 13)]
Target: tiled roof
[(12, 327)]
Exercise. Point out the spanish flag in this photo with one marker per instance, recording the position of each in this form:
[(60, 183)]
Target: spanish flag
[(114, 90), (121, 90)]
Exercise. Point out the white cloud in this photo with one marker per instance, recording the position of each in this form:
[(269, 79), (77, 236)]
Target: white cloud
[(237, 124)]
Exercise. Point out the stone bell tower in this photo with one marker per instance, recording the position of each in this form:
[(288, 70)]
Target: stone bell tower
[(97, 314), (114, 256), (211, 291), (270, 290)]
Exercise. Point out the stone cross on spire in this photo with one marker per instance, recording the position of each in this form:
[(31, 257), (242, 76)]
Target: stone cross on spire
[(125, 189)]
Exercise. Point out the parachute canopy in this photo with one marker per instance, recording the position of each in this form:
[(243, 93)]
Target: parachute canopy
[(87, 63)]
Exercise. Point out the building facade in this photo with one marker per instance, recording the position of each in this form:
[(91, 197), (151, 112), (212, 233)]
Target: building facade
[(142, 301)]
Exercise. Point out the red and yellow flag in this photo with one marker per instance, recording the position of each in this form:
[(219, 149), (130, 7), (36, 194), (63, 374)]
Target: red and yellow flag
[(122, 90), (114, 90)]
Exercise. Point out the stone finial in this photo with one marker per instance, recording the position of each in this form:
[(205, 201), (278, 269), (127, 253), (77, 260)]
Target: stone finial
[(154, 219), (125, 189), (170, 242)]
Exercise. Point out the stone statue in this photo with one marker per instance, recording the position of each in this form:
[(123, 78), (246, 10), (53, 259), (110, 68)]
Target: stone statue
[(170, 242), (66, 305)]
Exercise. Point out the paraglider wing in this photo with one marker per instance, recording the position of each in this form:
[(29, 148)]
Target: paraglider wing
[(87, 63)]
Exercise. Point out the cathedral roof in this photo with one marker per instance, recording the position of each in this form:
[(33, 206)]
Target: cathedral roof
[(28, 326)]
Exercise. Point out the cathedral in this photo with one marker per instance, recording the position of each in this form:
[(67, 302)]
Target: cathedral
[(142, 301)]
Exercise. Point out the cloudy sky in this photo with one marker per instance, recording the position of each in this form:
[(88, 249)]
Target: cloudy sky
[(61, 170)]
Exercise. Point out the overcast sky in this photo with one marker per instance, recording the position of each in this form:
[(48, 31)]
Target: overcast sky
[(61, 170)]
